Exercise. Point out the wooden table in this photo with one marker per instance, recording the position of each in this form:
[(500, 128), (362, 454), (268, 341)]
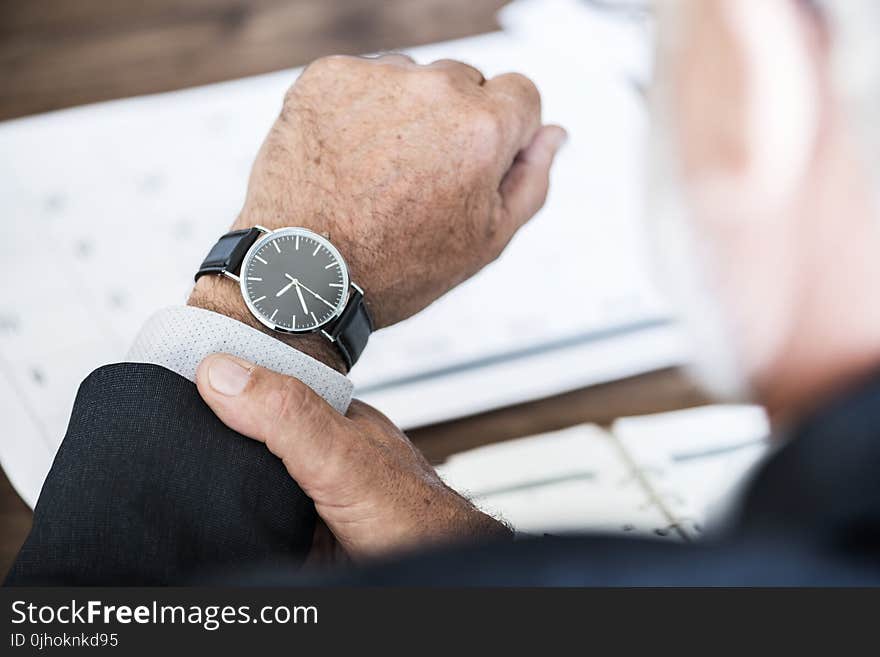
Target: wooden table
[(56, 53)]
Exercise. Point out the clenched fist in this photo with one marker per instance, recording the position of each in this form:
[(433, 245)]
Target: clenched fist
[(420, 175)]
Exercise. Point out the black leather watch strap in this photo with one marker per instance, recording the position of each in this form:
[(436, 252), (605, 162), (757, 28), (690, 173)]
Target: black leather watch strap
[(228, 252), (351, 331)]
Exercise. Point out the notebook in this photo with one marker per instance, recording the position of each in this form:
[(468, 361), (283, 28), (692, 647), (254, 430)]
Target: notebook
[(670, 476)]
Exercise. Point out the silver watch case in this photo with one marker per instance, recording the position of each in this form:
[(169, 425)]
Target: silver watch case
[(267, 236)]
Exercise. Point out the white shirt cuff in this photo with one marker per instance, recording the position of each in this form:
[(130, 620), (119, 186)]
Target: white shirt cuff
[(179, 337)]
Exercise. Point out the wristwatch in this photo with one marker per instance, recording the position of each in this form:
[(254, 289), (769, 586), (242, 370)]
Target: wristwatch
[(294, 281)]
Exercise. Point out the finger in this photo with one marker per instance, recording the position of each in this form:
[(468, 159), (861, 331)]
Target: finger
[(295, 423), (394, 58), (524, 187), (458, 70), (519, 103)]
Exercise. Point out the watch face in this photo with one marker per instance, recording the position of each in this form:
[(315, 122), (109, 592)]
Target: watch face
[(294, 280)]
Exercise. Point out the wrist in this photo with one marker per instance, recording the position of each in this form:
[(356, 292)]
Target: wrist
[(465, 522), (450, 520), (482, 526), (222, 295)]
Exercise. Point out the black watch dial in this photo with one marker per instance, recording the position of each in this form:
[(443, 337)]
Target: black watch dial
[(294, 280)]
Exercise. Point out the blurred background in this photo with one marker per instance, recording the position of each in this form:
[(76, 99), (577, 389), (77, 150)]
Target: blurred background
[(58, 53), (573, 424)]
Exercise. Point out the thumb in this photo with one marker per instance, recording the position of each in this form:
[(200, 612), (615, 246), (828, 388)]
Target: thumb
[(525, 185), (284, 413)]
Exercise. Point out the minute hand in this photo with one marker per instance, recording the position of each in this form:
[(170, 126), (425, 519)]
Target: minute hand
[(301, 300), (316, 295)]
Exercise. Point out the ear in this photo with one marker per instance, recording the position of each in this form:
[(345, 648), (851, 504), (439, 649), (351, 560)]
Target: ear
[(756, 69)]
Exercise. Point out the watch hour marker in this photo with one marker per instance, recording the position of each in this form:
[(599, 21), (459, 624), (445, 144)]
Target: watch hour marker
[(277, 248), (293, 322), (272, 318), (317, 248), (261, 260), (297, 242), (332, 264), (335, 284), (254, 278), (260, 299), (314, 319)]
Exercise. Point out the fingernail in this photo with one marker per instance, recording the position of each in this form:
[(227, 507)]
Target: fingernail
[(228, 376), (559, 138)]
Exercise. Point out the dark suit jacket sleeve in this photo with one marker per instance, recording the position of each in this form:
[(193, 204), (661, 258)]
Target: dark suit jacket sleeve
[(149, 487)]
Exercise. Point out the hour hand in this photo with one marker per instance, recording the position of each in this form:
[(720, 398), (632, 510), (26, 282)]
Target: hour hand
[(285, 288)]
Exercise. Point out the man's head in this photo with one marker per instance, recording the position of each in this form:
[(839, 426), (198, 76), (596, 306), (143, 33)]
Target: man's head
[(764, 201)]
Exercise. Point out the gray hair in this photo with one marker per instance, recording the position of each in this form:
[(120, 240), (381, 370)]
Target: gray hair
[(854, 26)]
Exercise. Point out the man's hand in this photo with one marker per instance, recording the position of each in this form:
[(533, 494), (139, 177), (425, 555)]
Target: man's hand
[(420, 175), (373, 489)]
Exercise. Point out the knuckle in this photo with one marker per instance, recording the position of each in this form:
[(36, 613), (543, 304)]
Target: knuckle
[(329, 63), (519, 97), (486, 125), (319, 73), (391, 58), (486, 134), (527, 89), (285, 402), (495, 235), (447, 71), (431, 81)]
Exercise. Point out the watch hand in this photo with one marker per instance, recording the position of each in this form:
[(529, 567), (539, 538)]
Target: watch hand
[(316, 295), (284, 289), (301, 300)]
